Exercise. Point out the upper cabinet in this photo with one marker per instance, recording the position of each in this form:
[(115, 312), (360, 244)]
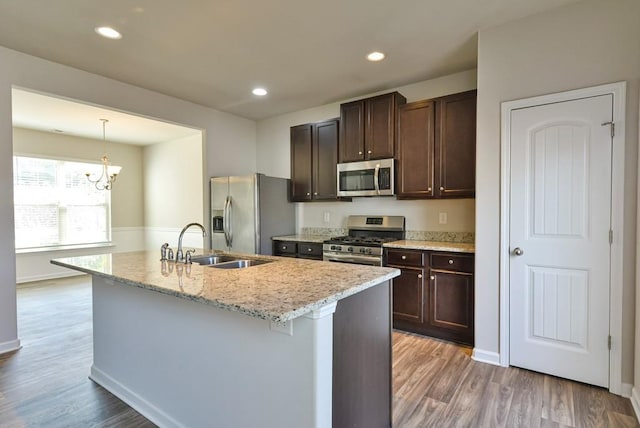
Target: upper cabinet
[(416, 136), (436, 147), (368, 128), (456, 145), (314, 156)]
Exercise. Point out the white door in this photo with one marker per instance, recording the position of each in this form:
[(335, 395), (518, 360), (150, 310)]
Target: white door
[(560, 217)]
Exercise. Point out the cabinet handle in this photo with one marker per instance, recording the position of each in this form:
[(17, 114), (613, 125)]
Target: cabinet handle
[(450, 261), (420, 276), (404, 257), (359, 153), (441, 187), (309, 249), (308, 194), (432, 277), (315, 193), (369, 152), (429, 189), (284, 247)]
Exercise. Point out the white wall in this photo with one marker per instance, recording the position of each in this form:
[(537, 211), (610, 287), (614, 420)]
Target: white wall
[(584, 44), (173, 173), (230, 143), (274, 159)]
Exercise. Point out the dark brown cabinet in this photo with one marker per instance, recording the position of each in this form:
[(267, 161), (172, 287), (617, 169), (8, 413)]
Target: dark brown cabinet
[(303, 250), (451, 296), (436, 147), (314, 156), (456, 145), (409, 295), (433, 294), (368, 128), (416, 148)]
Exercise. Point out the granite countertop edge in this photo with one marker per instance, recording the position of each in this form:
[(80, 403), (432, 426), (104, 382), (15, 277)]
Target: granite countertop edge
[(456, 247), (279, 317), (302, 238)]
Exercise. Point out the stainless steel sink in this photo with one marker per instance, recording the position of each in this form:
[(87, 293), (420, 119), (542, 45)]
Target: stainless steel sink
[(211, 259), (237, 264)]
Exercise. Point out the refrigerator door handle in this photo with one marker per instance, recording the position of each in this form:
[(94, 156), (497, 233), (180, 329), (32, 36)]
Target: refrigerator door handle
[(225, 220), (230, 225)]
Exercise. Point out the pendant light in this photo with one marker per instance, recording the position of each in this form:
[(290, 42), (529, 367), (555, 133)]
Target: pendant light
[(109, 172)]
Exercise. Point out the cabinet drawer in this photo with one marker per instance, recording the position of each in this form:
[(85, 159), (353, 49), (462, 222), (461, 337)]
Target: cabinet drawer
[(310, 250), (454, 262), (405, 258), (285, 248)]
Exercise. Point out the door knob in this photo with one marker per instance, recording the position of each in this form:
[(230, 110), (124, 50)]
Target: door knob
[(518, 251)]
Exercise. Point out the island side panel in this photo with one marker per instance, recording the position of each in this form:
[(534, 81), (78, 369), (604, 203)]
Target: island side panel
[(183, 363), (362, 389)]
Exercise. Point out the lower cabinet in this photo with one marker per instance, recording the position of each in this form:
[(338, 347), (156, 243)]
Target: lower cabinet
[(433, 294), (303, 250)]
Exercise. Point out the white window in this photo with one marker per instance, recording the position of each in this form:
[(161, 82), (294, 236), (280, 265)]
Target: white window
[(55, 205)]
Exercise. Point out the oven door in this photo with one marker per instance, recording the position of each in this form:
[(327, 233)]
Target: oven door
[(348, 258)]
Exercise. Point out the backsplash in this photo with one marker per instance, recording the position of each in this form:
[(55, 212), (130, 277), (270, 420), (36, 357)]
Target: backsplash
[(425, 235), (416, 235), (324, 231)]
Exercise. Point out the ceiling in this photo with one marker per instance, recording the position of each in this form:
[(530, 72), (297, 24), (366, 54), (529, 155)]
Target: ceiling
[(49, 114), (213, 52)]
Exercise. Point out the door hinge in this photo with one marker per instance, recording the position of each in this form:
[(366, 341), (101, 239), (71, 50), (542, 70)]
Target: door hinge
[(612, 126), (609, 342), (610, 236)]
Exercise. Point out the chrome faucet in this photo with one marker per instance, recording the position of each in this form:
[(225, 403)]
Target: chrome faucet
[(179, 253)]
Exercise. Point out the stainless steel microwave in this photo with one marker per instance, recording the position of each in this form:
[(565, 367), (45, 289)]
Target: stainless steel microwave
[(368, 178)]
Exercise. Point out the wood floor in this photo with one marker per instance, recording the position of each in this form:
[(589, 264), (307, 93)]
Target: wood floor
[(436, 384), (46, 384)]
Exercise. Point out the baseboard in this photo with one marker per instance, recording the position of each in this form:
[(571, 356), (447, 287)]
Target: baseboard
[(46, 276), (138, 403), (12, 345), (635, 401), (626, 390), (486, 357)]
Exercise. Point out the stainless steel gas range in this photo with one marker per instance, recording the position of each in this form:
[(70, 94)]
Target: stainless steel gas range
[(363, 244)]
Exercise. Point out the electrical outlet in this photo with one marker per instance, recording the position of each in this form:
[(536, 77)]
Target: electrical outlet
[(282, 327), (326, 217), (442, 218)]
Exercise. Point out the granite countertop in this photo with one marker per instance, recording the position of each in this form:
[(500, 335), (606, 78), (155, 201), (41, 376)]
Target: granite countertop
[(279, 291), (457, 247), (302, 238)]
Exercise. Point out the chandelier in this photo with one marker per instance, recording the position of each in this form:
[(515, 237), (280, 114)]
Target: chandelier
[(109, 172)]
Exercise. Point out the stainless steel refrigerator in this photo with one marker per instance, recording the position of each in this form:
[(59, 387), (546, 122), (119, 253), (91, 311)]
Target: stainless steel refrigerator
[(246, 211)]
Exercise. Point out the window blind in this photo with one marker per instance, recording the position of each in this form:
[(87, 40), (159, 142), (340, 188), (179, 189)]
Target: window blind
[(55, 205)]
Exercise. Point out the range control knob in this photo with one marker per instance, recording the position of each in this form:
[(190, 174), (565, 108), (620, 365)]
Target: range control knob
[(350, 249)]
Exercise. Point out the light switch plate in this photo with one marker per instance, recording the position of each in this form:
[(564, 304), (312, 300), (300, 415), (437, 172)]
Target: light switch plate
[(326, 217), (442, 218)]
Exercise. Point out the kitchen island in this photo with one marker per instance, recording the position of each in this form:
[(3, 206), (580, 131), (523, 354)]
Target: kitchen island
[(289, 343)]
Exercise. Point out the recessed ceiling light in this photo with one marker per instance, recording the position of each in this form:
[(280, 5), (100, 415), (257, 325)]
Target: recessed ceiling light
[(108, 32), (261, 92), (375, 56)]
